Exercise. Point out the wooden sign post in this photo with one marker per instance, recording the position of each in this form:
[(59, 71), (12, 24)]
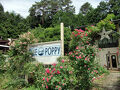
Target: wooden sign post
[(62, 39)]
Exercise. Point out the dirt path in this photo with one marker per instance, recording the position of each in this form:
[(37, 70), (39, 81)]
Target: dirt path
[(110, 82)]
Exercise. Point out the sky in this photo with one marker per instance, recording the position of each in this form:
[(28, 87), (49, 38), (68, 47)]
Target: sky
[(22, 6)]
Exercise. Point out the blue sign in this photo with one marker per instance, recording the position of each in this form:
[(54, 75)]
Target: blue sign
[(49, 50)]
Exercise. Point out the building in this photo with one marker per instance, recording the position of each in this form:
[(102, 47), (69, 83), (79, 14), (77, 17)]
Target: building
[(4, 45), (109, 56)]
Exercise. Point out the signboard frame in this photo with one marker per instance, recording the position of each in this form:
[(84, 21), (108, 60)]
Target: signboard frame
[(47, 59)]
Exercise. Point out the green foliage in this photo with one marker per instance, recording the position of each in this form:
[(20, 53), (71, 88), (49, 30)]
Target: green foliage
[(85, 8), (42, 12), (107, 23), (80, 20), (52, 34), (2, 62), (97, 14), (12, 25), (82, 59), (57, 76), (31, 88), (1, 8), (19, 58), (66, 17), (114, 7), (78, 70), (101, 70)]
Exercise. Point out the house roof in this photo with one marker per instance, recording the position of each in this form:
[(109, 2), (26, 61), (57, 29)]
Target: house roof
[(4, 41)]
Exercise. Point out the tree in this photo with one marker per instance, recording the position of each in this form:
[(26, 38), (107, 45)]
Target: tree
[(12, 25), (85, 8), (1, 13), (1, 8), (42, 12), (97, 14), (80, 20), (68, 18), (114, 7)]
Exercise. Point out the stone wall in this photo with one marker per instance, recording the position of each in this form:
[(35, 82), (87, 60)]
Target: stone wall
[(101, 55)]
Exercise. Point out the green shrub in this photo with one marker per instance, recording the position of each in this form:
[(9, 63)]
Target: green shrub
[(82, 59), (32, 88), (2, 62), (19, 58), (52, 34)]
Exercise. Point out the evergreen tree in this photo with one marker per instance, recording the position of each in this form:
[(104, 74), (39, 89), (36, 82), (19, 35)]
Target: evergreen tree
[(42, 12)]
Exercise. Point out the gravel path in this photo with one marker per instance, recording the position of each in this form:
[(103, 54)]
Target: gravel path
[(110, 82)]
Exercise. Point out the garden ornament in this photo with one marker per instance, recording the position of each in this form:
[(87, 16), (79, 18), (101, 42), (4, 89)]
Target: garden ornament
[(105, 34)]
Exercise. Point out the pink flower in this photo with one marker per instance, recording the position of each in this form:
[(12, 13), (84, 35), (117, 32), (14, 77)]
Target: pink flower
[(78, 33), (99, 48), (54, 64), (80, 30), (76, 53), (63, 84), (80, 57), (43, 78), (70, 72), (77, 57), (87, 42), (70, 53), (53, 69), (75, 35), (81, 36), (61, 66), (86, 34), (76, 29), (51, 76), (62, 60), (59, 88), (96, 71), (86, 58), (47, 70), (47, 80), (58, 72), (56, 86), (46, 86), (88, 68), (77, 47)]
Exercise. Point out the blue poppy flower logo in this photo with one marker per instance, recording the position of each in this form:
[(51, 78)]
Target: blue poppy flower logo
[(41, 51)]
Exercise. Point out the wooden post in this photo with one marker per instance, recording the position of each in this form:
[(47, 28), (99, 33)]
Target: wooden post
[(118, 30), (26, 78), (62, 38)]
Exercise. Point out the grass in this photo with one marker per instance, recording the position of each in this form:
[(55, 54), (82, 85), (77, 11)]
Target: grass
[(4, 78)]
